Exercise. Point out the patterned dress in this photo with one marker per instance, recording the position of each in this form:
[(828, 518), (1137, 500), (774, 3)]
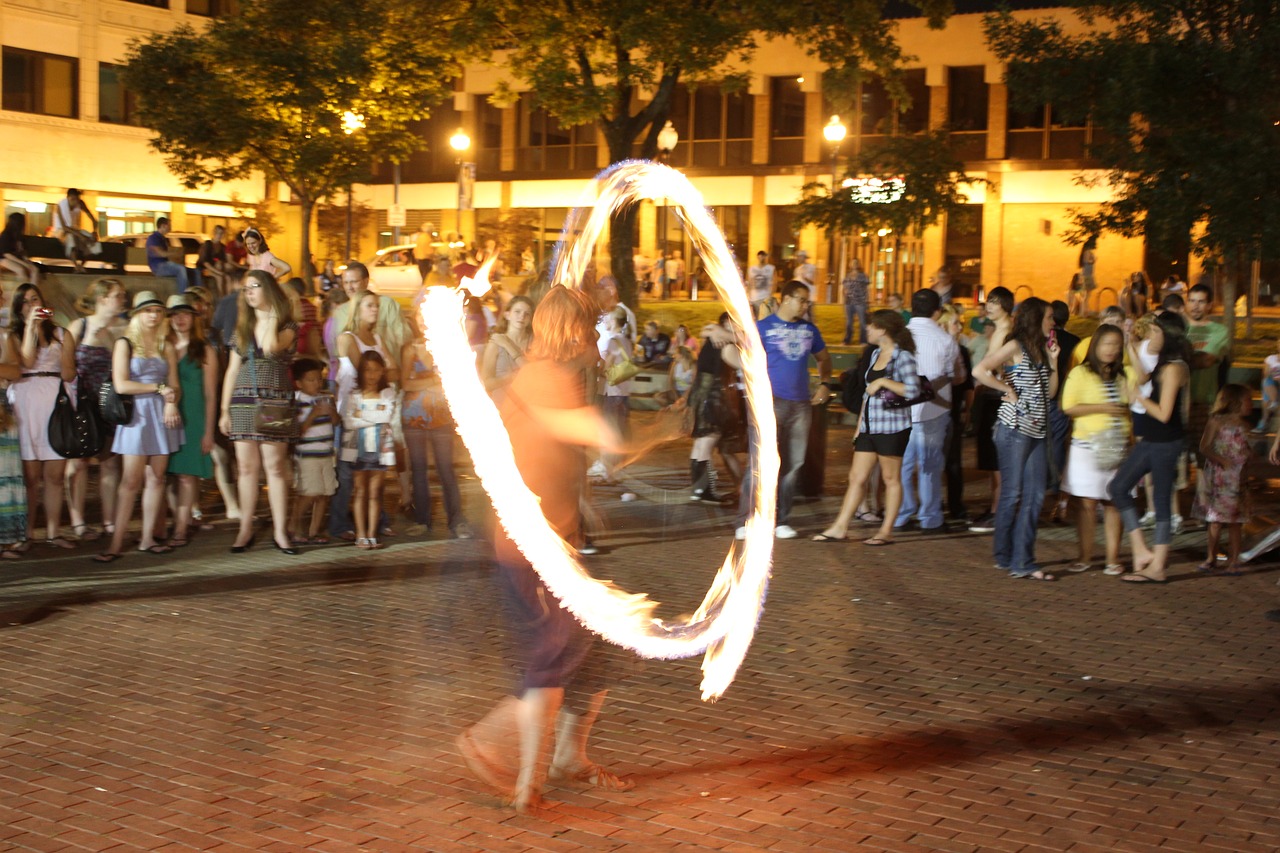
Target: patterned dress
[(261, 377), (1220, 495), (93, 369), (13, 492)]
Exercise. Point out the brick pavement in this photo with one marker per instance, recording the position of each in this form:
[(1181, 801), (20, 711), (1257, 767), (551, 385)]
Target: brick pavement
[(906, 698)]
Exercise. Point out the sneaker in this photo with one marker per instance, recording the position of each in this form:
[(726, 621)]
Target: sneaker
[(985, 523), (597, 471), (784, 531), (1113, 569), (588, 548), (740, 533), (463, 531), (627, 497), (1147, 520), (1176, 526)]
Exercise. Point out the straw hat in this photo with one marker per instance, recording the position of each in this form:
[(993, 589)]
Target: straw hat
[(145, 299), (179, 302)]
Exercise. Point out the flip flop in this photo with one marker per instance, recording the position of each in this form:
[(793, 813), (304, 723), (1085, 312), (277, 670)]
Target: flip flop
[(179, 543), (1079, 567), (1208, 567), (822, 537), (877, 542), (59, 542), (1138, 577), (156, 549), (1037, 575), (107, 558), (10, 554)]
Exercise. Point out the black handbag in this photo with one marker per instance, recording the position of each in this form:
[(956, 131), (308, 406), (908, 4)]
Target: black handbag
[(74, 431), (116, 409)]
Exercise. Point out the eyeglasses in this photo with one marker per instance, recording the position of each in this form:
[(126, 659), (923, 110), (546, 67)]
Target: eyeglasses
[(253, 286)]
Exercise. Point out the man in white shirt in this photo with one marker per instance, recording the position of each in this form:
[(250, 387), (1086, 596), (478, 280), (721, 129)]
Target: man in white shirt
[(77, 240), (760, 281), (936, 355), (805, 271)]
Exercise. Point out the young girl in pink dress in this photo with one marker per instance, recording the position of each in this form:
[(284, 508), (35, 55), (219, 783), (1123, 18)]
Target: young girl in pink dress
[(1220, 495)]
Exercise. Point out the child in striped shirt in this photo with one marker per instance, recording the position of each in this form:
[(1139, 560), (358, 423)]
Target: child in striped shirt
[(314, 477)]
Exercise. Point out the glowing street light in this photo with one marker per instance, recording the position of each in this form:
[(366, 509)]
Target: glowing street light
[(460, 142), (668, 139), (834, 132), (351, 122)]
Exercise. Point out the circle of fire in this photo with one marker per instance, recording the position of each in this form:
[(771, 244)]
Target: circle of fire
[(724, 624)]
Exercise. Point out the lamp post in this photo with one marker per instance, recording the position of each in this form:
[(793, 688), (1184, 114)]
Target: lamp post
[(668, 138), (460, 143), (834, 132), (351, 122)]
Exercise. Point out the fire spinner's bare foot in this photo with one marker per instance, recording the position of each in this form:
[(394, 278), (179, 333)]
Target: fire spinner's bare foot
[(592, 775)]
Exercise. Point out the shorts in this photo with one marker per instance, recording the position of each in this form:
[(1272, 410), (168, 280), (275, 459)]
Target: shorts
[(986, 407), (314, 476), (883, 444)]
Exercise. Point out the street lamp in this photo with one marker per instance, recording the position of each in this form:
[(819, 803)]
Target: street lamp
[(834, 132), (460, 143), (668, 138)]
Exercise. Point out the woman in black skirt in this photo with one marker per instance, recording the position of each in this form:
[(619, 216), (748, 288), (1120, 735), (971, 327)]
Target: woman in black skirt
[(715, 415)]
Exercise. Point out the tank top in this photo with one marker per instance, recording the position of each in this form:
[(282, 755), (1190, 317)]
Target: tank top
[(1151, 429), (1030, 415)]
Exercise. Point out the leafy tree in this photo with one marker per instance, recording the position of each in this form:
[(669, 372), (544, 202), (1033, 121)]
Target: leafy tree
[(308, 93), (932, 177), (588, 62), (1186, 94)]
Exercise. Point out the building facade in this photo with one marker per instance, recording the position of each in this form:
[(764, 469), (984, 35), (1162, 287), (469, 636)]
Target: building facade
[(65, 121)]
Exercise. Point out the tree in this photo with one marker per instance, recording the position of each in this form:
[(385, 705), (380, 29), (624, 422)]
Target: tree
[(931, 177), (1185, 100), (308, 93), (588, 62)]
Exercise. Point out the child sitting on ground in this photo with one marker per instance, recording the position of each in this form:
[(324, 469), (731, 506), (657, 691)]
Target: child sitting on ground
[(314, 480), (1220, 496)]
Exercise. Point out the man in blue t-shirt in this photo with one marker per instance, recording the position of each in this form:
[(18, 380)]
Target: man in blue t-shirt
[(158, 254), (789, 340)]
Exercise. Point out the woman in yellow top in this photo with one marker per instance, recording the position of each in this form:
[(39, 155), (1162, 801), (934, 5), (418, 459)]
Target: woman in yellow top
[(1096, 398)]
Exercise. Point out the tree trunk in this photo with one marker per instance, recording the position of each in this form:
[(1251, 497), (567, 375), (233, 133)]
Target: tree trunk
[(622, 249), (1229, 289), (308, 205)]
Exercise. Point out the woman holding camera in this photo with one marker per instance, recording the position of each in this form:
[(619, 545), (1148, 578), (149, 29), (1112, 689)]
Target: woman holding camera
[(35, 345)]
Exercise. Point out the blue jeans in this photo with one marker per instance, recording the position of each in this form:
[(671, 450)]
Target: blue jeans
[(793, 418), (924, 460), (178, 271), (850, 310), (1160, 459), (440, 441), (1059, 434), (1023, 474)]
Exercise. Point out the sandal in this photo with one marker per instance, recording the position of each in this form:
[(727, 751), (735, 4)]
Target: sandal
[(156, 549), (10, 554), (822, 537), (107, 558), (1113, 569), (373, 544), (877, 542), (1037, 575), (179, 542), (868, 516), (318, 540), (592, 775), (1079, 567), (1208, 567), (1139, 577), (60, 542), (84, 534)]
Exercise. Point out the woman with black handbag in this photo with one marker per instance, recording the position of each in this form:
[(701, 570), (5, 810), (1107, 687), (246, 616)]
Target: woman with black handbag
[(36, 346), (257, 406), (103, 302), (144, 366), (884, 425)]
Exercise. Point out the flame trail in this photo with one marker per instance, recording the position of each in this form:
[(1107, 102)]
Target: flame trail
[(724, 624)]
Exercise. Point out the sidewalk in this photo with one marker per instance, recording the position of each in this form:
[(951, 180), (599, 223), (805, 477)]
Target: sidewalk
[(904, 698)]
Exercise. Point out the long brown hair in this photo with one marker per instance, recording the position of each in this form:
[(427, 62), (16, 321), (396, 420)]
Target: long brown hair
[(1107, 370), (891, 323), (1028, 328), (563, 325), (245, 319)]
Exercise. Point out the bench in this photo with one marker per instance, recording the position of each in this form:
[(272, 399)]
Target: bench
[(48, 253)]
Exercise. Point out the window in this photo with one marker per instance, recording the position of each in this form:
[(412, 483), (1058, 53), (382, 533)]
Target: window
[(714, 126), (544, 146), (158, 4), (880, 115), (212, 8), (1042, 133), (967, 111), (786, 120), (489, 123), (40, 83), (116, 104)]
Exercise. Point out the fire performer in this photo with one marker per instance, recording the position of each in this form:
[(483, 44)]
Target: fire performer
[(564, 682)]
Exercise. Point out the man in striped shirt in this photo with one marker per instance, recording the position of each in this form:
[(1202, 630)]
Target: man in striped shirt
[(936, 358)]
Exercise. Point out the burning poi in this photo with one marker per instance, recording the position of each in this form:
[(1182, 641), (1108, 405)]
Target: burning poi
[(723, 625)]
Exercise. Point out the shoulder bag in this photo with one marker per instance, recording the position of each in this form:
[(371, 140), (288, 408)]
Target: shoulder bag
[(272, 418), (116, 409), (74, 431)]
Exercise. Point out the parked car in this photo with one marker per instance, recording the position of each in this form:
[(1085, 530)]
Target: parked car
[(184, 241), (393, 272)]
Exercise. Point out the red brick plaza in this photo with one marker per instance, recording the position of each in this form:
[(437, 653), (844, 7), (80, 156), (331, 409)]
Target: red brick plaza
[(904, 698)]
